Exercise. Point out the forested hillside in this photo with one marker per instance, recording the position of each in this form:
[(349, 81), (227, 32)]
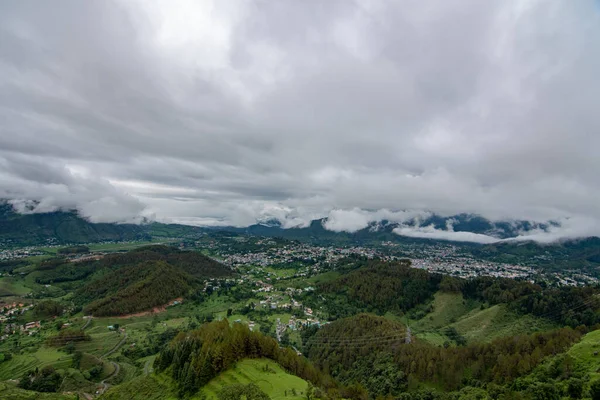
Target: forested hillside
[(373, 351), (191, 262), (379, 287), (135, 288), (142, 279)]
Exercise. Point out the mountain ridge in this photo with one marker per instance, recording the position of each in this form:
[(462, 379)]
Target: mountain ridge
[(67, 227)]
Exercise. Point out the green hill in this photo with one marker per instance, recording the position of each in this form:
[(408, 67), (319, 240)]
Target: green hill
[(135, 288), (144, 278), (267, 374), (195, 358), (379, 287), (142, 388), (472, 321), (371, 350), (587, 353)]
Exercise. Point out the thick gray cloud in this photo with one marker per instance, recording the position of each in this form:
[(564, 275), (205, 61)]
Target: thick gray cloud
[(229, 112)]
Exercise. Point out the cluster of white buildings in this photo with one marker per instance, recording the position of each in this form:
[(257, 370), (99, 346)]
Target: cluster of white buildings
[(11, 254), (468, 268)]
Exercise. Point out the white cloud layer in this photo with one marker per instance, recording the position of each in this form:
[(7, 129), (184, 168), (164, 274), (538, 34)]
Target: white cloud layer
[(430, 232), (230, 112)]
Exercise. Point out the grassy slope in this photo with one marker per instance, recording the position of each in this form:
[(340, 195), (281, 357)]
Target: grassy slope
[(447, 308), (102, 341), (497, 321), (476, 325), (584, 352), (22, 363), (9, 391), (10, 286), (274, 383)]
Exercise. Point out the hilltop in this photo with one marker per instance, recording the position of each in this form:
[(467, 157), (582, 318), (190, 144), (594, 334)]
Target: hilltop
[(144, 278)]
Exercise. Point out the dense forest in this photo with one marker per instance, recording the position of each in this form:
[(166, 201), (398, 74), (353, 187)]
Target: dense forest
[(191, 262), (372, 351), (134, 288), (140, 280), (379, 287)]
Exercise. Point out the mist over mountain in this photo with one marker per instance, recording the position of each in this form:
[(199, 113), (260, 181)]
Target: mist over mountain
[(69, 226)]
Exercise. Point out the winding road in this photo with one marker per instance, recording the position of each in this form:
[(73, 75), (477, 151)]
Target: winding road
[(116, 347), (147, 367), (117, 366), (115, 372), (89, 320)]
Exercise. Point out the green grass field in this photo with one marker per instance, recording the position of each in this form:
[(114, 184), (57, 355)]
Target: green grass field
[(10, 286), (22, 363), (126, 373), (584, 351), (324, 277), (472, 322), (447, 308), (497, 321), (275, 382), (10, 391), (142, 388), (100, 343)]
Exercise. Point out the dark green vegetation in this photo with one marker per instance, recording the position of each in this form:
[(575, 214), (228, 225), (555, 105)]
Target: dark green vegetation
[(145, 278), (46, 380), (130, 282), (196, 357), (134, 288), (73, 250), (372, 351), (67, 336), (379, 287)]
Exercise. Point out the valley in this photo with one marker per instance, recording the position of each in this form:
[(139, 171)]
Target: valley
[(99, 315)]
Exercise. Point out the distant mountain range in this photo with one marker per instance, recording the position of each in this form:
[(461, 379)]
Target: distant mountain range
[(389, 230), (68, 227)]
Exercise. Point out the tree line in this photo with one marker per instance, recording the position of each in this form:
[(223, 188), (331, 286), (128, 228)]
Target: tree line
[(193, 358)]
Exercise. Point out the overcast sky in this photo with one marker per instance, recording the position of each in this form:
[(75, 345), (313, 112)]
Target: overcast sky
[(225, 112)]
